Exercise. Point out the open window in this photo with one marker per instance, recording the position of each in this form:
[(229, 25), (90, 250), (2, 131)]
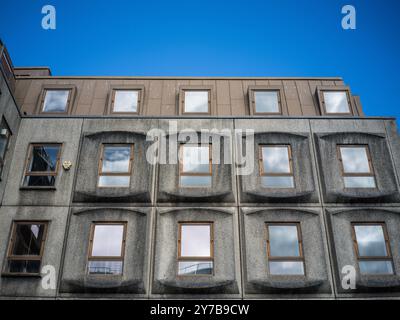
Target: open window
[(26, 247), (42, 165), (106, 248), (372, 247), (195, 165), (195, 248), (285, 249), (276, 168), (356, 166), (115, 165)]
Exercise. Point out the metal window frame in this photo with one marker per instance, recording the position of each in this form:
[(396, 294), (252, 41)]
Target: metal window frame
[(115, 174), (179, 246), (300, 258)]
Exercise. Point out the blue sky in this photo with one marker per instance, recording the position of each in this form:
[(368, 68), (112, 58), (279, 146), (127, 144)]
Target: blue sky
[(215, 38)]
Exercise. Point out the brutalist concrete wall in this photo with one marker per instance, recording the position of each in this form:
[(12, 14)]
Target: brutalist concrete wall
[(97, 132), (225, 282), (258, 281), (75, 278), (340, 230), (10, 113), (223, 190)]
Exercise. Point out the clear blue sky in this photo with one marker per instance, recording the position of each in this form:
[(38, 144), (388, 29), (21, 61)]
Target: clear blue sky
[(215, 38)]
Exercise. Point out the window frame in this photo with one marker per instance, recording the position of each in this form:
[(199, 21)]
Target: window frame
[(179, 249), (182, 92), (252, 98), (194, 174), (114, 89), (359, 258), (371, 172), (113, 174), (8, 137), (41, 173), (320, 93), (277, 174), (11, 257), (300, 258), (70, 100), (90, 257)]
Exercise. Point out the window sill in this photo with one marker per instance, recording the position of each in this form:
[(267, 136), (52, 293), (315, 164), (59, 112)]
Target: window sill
[(20, 275), (38, 188)]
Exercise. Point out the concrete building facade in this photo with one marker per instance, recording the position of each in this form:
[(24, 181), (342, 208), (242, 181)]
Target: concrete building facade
[(337, 206)]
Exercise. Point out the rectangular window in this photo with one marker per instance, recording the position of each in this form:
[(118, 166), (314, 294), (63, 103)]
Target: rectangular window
[(372, 248), (125, 101), (5, 135), (107, 248), (115, 166), (42, 165), (196, 101), (26, 247), (356, 164), (276, 168), (195, 166), (285, 249), (336, 102), (195, 248), (266, 101), (56, 101)]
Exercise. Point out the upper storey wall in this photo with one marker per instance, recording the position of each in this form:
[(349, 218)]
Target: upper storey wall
[(162, 96)]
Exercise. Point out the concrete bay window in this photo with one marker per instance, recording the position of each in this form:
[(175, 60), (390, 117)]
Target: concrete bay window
[(42, 165), (107, 248), (26, 248), (276, 168), (195, 248), (115, 165), (195, 166)]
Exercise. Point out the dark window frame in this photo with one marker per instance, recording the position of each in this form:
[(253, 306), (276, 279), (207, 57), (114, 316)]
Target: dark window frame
[(13, 236), (179, 244), (300, 258), (113, 174), (359, 258), (90, 257)]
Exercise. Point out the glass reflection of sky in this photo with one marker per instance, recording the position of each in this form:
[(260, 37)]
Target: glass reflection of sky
[(55, 100), (355, 159), (370, 240), (116, 158), (196, 101), (275, 159), (195, 241), (286, 267), (196, 159), (107, 240), (283, 241), (359, 182), (125, 101), (266, 101), (336, 102)]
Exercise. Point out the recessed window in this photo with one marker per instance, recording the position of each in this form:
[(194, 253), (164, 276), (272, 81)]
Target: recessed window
[(267, 101), (336, 102), (357, 167), (26, 247), (195, 249), (195, 166), (42, 165), (372, 248), (196, 101), (107, 248), (284, 247), (56, 101), (125, 101), (5, 135), (276, 168), (115, 165)]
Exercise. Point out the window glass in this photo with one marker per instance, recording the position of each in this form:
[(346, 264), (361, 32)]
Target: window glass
[(355, 160), (195, 181), (195, 267), (126, 101), (370, 240), (195, 159), (56, 100), (196, 101), (195, 241), (359, 182), (116, 158), (275, 159), (284, 241), (286, 267), (107, 240), (266, 101), (4, 140), (336, 102)]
